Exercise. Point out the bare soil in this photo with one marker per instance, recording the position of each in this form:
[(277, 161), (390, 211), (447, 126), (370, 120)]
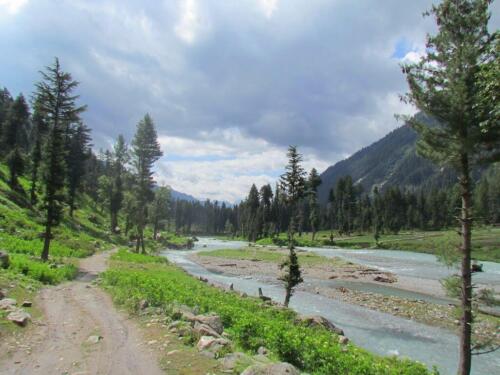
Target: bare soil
[(72, 312)]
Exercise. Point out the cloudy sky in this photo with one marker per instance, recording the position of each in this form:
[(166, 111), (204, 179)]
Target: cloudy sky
[(229, 83)]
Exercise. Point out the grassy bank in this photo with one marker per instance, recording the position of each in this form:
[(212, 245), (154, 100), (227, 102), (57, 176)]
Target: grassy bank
[(485, 240), (273, 256), (249, 322)]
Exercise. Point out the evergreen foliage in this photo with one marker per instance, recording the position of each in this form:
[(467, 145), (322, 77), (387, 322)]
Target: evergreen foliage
[(449, 84)]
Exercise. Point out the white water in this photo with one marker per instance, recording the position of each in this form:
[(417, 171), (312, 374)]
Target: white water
[(377, 332)]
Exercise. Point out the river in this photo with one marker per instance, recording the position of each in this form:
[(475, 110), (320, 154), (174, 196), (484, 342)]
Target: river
[(375, 331)]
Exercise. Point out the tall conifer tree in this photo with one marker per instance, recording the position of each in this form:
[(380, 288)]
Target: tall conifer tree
[(54, 93), (145, 152), (293, 187), (448, 84)]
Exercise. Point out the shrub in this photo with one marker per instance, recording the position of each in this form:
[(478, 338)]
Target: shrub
[(47, 273)]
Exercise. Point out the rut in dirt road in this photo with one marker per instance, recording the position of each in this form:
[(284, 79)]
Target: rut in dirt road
[(73, 312)]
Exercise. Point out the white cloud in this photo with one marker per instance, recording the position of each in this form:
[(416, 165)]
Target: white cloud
[(268, 7), (223, 164), (13, 6), (189, 23)]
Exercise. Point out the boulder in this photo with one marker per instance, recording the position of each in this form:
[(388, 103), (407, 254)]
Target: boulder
[(213, 321), (26, 304), (204, 330), (319, 321), (212, 344), (8, 304), (20, 317), (282, 368), (233, 361), (383, 279)]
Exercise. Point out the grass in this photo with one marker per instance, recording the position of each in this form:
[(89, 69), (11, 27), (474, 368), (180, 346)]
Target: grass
[(124, 255), (272, 256), (485, 241), (249, 322), (46, 273)]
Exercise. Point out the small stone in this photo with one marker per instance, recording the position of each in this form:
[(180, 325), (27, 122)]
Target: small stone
[(94, 339), (212, 344), (143, 304), (262, 351), (343, 340), (27, 304), (282, 368), (152, 342), (173, 352)]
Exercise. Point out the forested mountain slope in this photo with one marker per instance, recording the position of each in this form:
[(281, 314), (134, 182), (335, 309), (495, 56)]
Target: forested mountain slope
[(391, 161)]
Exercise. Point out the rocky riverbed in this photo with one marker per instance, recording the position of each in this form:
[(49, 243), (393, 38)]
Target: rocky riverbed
[(441, 315)]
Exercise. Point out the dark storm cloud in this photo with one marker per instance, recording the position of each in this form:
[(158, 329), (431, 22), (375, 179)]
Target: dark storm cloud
[(320, 74)]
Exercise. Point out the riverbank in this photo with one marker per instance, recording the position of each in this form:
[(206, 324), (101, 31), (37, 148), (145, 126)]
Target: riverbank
[(325, 276), (486, 241)]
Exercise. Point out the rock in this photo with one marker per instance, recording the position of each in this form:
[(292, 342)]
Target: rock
[(213, 321), (262, 351), (27, 304), (4, 260), (8, 304), (174, 324), (143, 304), (383, 279), (19, 317), (172, 352), (236, 360), (282, 368), (319, 321), (211, 344), (94, 339), (204, 330), (343, 340)]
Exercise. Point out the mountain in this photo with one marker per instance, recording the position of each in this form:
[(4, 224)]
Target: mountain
[(177, 195), (391, 161)]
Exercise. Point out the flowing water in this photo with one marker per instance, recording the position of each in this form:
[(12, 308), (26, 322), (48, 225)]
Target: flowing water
[(375, 331)]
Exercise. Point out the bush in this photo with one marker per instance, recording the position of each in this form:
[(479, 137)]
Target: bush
[(47, 273), (126, 256)]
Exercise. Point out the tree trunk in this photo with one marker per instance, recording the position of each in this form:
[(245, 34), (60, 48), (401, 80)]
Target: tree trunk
[(142, 242), (464, 367), (46, 242), (288, 295)]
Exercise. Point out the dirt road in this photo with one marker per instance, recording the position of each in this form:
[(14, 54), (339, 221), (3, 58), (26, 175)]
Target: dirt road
[(73, 312)]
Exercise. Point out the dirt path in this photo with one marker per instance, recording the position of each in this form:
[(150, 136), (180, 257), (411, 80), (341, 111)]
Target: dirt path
[(73, 312)]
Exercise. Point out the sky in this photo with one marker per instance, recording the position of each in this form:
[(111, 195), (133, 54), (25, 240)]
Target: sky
[(229, 83)]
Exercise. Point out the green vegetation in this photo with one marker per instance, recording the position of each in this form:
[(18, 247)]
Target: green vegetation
[(123, 255), (249, 322), (273, 256), (486, 241), (44, 272)]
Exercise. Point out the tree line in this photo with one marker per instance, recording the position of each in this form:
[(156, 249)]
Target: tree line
[(349, 210), (49, 143)]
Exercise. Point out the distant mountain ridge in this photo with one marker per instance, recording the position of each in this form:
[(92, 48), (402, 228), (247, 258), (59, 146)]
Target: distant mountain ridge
[(390, 161), (179, 196)]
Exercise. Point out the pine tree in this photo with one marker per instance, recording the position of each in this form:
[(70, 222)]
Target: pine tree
[(160, 208), (38, 132), (78, 153), (313, 183), (448, 84), (120, 159), (145, 152), (293, 187), (54, 95)]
